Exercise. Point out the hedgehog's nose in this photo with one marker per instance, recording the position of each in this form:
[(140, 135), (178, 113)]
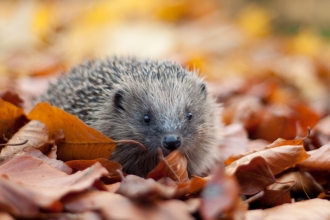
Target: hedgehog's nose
[(171, 142)]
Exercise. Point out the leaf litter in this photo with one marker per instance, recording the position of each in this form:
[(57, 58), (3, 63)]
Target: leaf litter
[(271, 87)]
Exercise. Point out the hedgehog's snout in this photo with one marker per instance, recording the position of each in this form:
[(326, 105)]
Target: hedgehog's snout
[(171, 141)]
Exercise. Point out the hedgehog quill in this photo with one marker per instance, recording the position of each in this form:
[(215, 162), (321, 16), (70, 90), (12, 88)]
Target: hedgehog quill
[(157, 103)]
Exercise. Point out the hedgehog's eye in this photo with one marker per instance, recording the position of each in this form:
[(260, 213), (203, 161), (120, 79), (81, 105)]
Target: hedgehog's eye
[(146, 119), (189, 116)]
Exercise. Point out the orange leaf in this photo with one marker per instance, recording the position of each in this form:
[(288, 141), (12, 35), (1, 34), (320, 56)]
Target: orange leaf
[(252, 176), (277, 158), (319, 159), (173, 166), (81, 141), (279, 142), (11, 119)]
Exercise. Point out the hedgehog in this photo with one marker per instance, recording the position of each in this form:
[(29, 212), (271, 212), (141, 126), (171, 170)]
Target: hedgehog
[(157, 103)]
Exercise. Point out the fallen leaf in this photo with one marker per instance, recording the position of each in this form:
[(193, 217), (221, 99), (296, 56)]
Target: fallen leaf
[(273, 198), (81, 141), (304, 185), (197, 183), (277, 158), (42, 185), (235, 140), (13, 98), (138, 188), (252, 176), (57, 164), (278, 121), (34, 133), (111, 167), (115, 206), (173, 165), (5, 216), (321, 131), (12, 118), (219, 196), (319, 159), (309, 209), (279, 142)]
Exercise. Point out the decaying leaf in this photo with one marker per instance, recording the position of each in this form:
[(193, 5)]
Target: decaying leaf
[(273, 198), (253, 175), (81, 141), (301, 182), (43, 186), (34, 133), (173, 165)]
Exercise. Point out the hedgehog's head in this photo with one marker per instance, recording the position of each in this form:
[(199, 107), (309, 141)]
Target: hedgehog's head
[(167, 108)]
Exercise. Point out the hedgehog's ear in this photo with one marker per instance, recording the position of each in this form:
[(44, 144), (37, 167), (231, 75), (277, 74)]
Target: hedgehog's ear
[(203, 89), (118, 100)]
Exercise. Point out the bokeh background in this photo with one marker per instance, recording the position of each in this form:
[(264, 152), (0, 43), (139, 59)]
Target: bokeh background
[(233, 43)]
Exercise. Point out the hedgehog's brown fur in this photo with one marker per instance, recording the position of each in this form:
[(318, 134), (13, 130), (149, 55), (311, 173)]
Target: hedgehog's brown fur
[(115, 94)]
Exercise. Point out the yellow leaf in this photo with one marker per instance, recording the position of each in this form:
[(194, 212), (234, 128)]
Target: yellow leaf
[(255, 20)]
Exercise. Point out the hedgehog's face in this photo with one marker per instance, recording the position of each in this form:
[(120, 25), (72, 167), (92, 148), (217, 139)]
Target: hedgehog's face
[(172, 115)]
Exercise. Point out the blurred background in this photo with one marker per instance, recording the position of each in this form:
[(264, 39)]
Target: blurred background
[(273, 53)]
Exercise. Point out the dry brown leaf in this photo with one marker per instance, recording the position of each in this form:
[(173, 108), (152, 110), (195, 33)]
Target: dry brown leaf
[(57, 164), (81, 141), (279, 142), (273, 198), (111, 167), (319, 159), (13, 98), (219, 196), (309, 209), (321, 131), (138, 188), (302, 183), (115, 206), (12, 118), (5, 216), (253, 176), (28, 184), (278, 158), (35, 133), (306, 117), (282, 142), (173, 165), (256, 144), (277, 121)]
